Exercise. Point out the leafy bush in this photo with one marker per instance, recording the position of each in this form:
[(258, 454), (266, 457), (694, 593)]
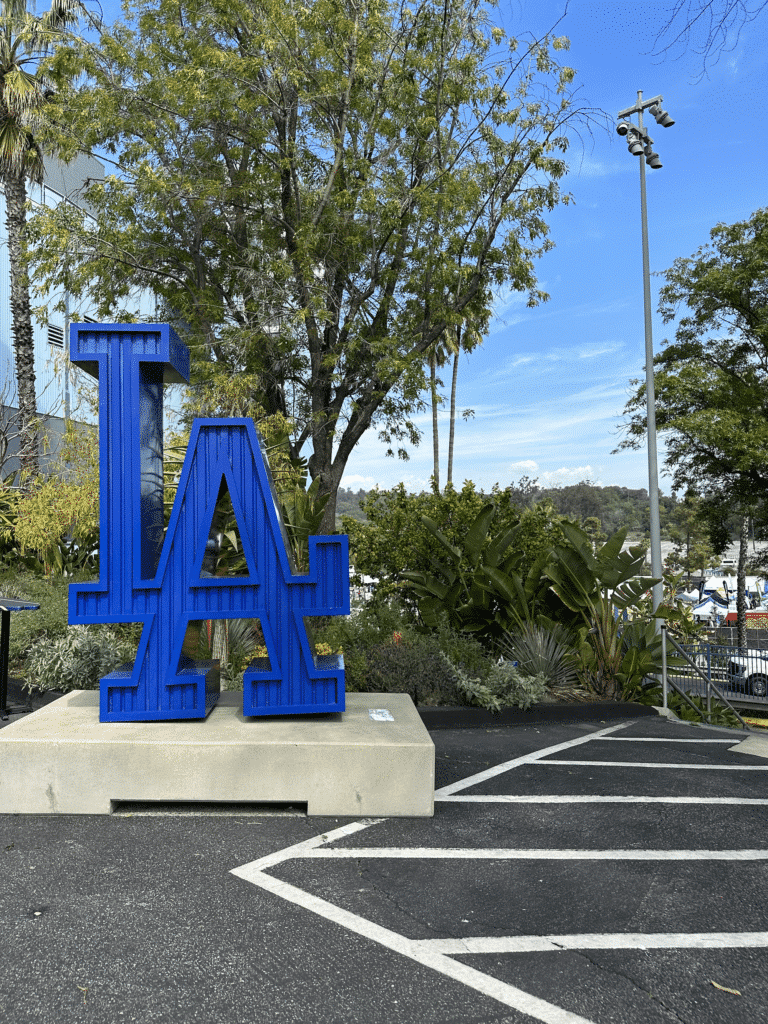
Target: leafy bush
[(415, 666), (720, 713), (77, 660), (57, 519), (396, 541), (29, 627), (503, 687), (543, 650), (384, 650)]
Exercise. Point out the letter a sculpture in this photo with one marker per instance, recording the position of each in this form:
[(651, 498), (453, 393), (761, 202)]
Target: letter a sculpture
[(158, 580)]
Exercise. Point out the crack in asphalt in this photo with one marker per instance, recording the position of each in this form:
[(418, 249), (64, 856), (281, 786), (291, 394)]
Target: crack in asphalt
[(633, 981), (366, 873)]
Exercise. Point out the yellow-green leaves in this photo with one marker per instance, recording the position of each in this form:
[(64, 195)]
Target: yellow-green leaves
[(316, 192)]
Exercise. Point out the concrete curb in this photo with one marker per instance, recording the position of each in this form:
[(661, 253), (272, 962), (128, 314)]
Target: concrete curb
[(479, 718)]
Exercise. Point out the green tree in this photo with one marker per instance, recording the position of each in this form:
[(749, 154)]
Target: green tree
[(711, 382), (316, 192), (394, 540), (688, 529), (25, 38)]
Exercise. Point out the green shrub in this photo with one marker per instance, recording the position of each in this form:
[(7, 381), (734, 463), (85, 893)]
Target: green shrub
[(77, 660), (503, 687), (28, 627), (543, 650), (386, 652), (720, 714), (415, 666)]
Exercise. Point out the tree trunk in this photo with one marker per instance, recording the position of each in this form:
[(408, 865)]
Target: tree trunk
[(741, 584), (435, 439), (21, 324), (453, 415)]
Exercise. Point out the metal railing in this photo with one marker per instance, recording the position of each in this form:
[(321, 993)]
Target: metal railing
[(702, 662)]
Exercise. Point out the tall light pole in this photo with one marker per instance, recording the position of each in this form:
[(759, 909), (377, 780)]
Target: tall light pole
[(640, 144)]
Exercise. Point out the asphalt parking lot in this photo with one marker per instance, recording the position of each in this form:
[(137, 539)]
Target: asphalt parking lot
[(599, 871)]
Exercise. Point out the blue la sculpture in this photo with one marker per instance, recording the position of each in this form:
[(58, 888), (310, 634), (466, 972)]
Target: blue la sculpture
[(155, 577)]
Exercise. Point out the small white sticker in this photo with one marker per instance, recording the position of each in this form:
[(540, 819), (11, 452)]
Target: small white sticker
[(380, 715)]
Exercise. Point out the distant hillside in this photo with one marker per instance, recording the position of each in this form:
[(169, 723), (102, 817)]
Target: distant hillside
[(348, 504), (615, 507)]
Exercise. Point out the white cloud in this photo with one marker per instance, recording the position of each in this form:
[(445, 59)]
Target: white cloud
[(597, 350), (565, 476), (526, 466), (357, 481)]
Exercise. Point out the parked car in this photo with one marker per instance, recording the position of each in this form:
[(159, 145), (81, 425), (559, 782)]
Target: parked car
[(747, 672)]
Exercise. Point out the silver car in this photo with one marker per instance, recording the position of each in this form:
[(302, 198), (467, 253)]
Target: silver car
[(747, 672)]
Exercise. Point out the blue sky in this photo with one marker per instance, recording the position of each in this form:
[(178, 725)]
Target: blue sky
[(549, 384)]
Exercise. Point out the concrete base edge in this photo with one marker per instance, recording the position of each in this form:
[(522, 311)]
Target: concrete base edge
[(63, 760)]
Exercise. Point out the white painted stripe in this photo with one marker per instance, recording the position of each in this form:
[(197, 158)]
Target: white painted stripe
[(508, 995), (499, 769), (254, 867), (496, 798), (620, 940), (653, 764), (654, 739), (432, 853)]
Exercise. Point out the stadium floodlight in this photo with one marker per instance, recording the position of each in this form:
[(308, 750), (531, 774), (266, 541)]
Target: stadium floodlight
[(640, 144), (634, 143), (651, 158), (662, 116)]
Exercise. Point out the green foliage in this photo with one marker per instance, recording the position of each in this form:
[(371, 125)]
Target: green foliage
[(470, 586), (27, 628), (711, 381), (603, 587), (689, 529), (384, 650), (720, 713), (615, 508), (349, 502), (543, 650), (413, 665), (503, 687), (395, 540), (57, 518), (375, 173), (234, 643), (77, 659)]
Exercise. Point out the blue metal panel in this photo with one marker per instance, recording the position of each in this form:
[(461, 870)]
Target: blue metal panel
[(159, 583)]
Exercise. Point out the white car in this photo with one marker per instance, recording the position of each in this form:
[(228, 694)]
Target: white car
[(747, 672)]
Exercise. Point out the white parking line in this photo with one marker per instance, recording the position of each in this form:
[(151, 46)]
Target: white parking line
[(499, 769), (654, 739), (431, 853), (437, 954), (655, 764), (580, 798), (508, 995), (255, 867), (615, 940)]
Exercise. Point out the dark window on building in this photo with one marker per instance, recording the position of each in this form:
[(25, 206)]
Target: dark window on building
[(55, 335)]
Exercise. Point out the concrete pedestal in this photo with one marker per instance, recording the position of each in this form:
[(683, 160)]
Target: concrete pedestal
[(63, 760)]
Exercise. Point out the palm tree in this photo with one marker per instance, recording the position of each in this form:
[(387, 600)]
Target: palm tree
[(25, 39), (438, 354), (465, 340)]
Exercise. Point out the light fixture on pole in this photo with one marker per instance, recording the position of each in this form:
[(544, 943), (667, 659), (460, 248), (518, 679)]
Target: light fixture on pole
[(640, 144)]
